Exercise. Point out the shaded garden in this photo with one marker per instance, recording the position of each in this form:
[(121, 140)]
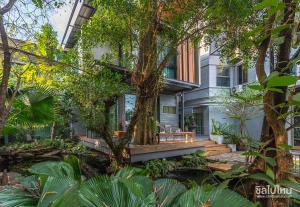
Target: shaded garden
[(47, 93)]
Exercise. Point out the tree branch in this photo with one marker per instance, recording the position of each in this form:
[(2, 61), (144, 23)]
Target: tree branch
[(7, 7)]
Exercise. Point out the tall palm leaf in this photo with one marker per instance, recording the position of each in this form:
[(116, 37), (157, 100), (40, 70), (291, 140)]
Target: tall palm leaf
[(33, 107), (212, 196)]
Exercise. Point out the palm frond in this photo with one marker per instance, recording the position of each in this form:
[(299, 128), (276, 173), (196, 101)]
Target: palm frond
[(55, 190), (168, 191), (12, 197), (53, 169)]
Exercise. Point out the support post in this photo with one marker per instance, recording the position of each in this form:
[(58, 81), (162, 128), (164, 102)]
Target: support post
[(182, 110)]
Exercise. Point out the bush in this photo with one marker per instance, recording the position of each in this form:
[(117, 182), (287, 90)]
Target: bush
[(194, 160), (68, 146), (159, 168)]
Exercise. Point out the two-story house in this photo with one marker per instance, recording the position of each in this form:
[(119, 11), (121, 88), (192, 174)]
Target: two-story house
[(194, 79), (182, 73)]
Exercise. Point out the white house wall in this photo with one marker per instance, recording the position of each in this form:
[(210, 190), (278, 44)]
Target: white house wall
[(167, 118)]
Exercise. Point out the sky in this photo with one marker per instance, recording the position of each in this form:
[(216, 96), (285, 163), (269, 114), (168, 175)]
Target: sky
[(59, 19)]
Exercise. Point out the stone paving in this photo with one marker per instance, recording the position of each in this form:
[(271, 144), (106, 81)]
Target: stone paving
[(232, 157)]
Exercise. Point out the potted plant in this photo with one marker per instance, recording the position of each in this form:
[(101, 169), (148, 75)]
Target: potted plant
[(216, 132), (189, 123), (232, 141)]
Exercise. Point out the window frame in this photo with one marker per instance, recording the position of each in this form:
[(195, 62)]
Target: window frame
[(166, 109), (218, 76), (244, 74)]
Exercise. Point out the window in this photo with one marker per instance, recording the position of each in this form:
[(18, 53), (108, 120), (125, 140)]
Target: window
[(242, 74), (171, 68), (169, 109), (223, 78), (129, 106)]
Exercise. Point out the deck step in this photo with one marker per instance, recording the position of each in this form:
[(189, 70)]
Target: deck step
[(217, 152), (215, 146), (216, 149), (220, 166)]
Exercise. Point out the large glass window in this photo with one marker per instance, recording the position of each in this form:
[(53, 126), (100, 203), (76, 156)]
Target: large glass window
[(129, 106), (171, 68), (223, 78), (242, 74), (297, 131)]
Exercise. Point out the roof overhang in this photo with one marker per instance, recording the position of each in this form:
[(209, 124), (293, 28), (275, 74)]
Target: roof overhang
[(80, 13), (174, 86)]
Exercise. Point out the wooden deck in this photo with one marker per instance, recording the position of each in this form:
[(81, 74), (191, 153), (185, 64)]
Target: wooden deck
[(162, 150)]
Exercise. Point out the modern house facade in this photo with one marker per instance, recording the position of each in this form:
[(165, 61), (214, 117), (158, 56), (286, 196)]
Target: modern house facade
[(195, 78), (180, 74)]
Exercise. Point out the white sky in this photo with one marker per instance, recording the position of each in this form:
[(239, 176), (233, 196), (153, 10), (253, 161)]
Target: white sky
[(59, 19)]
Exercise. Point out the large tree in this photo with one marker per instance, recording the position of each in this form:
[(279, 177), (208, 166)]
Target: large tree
[(19, 19), (143, 35), (265, 31)]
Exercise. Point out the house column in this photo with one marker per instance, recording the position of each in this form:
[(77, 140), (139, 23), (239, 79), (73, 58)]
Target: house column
[(182, 110)]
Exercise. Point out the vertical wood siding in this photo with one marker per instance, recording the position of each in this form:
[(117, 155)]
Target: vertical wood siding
[(186, 62)]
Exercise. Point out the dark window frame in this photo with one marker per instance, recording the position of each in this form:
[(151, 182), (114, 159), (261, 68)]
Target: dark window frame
[(223, 79), (242, 75)]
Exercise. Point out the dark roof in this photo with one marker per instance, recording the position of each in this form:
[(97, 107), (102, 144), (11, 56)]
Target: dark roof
[(83, 12)]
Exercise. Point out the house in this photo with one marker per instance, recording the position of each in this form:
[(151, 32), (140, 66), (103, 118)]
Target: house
[(194, 79), (181, 74)]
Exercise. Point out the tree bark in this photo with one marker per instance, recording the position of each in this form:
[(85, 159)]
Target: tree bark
[(117, 147), (275, 132), (52, 136), (6, 64), (147, 77)]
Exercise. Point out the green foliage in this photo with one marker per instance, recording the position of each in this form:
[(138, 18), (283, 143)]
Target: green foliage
[(91, 88), (237, 171), (209, 195), (233, 137), (57, 186), (195, 160), (33, 107), (66, 145), (159, 168), (216, 128)]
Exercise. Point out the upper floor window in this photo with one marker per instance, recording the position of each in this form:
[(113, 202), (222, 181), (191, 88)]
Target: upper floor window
[(171, 68), (242, 75), (223, 78), (169, 109)]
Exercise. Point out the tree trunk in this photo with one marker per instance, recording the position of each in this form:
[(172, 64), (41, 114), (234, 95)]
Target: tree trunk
[(53, 131), (116, 147), (147, 77), (274, 132), (6, 64), (144, 132)]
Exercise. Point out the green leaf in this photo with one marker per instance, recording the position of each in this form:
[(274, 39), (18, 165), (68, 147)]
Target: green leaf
[(54, 189), (285, 80), (53, 169), (256, 87), (271, 161), (168, 191), (296, 97), (38, 3), (263, 177), (265, 4), (270, 173), (286, 146), (12, 197), (74, 162), (278, 29)]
